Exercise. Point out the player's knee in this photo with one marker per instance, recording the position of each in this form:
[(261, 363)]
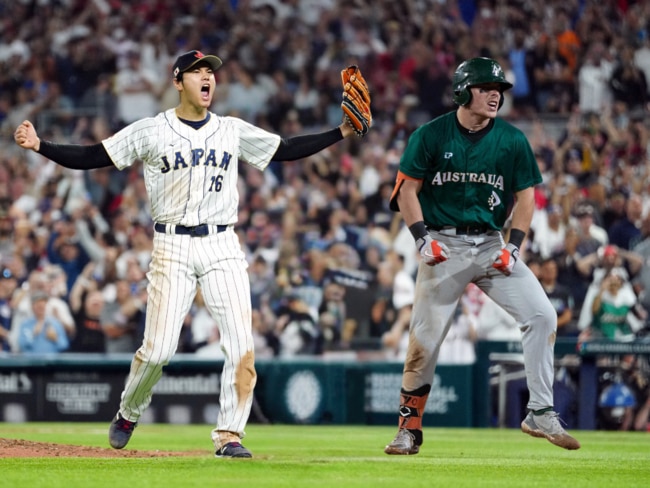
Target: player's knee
[(544, 319), (154, 355)]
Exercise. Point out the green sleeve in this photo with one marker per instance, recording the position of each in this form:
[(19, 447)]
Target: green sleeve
[(416, 156), (527, 172)]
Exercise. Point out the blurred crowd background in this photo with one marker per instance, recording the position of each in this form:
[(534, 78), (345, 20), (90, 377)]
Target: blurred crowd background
[(332, 268)]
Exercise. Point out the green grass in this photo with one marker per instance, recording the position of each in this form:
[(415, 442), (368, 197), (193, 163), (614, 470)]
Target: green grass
[(333, 456)]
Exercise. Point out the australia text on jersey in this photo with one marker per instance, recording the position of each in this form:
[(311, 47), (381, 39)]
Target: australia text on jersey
[(443, 177)]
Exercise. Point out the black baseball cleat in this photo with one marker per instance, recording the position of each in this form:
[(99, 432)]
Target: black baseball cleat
[(120, 431), (233, 450)]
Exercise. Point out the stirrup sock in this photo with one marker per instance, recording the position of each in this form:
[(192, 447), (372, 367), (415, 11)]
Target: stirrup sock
[(411, 409)]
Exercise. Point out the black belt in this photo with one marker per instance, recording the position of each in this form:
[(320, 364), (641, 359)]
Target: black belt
[(469, 230), (196, 231)]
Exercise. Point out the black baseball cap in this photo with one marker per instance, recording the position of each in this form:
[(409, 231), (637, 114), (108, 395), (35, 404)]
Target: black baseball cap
[(185, 61)]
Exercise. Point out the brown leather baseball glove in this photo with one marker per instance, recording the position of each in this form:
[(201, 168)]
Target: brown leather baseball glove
[(356, 100)]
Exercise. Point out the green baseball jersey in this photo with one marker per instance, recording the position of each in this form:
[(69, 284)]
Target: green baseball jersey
[(465, 182)]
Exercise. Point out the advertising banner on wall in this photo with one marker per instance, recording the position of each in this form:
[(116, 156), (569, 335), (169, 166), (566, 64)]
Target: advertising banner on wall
[(297, 391)]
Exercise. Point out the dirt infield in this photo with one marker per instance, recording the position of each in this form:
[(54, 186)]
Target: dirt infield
[(18, 448)]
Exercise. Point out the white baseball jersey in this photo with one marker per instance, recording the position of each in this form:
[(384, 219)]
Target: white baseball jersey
[(191, 175), (191, 178)]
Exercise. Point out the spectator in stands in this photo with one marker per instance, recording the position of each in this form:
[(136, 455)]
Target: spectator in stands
[(6, 234), (332, 315), (65, 250), (614, 210), (205, 338), (628, 82), (569, 45), (636, 368), (593, 79), (262, 280), (587, 229), (296, 329), (122, 316), (641, 282), (568, 274), (458, 346), (596, 265), (42, 333), (266, 342), (245, 96), (521, 63), (642, 52), (8, 286), (495, 324), (395, 340), (306, 100), (432, 81), (383, 312), (628, 228), (548, 228), (626, 263), (54, 281), (137, 90), (612, 310), (50, 280), (560, 296), (87, 303), (554, 78)]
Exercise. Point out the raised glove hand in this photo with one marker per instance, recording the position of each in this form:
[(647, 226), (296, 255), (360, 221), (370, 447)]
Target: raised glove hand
[(432, 251), (506, 258), (356, 100)]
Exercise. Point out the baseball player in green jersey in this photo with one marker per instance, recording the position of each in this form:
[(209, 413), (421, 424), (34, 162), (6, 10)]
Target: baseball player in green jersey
[(461, 176)]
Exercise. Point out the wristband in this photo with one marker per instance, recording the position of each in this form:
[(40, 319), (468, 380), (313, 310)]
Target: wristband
[(516, 237), (418, 230)]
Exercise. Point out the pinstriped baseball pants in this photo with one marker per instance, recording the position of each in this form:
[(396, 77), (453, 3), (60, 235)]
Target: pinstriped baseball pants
[(217, 264)]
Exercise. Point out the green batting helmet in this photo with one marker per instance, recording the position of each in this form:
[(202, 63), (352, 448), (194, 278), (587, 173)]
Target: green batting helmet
[(477, 71)]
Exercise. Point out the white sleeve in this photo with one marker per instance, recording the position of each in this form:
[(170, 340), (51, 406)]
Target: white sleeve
[(131, 143), (257, 146)]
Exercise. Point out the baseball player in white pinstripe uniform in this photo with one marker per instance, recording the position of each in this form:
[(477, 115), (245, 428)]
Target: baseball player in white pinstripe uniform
[(190, 158)]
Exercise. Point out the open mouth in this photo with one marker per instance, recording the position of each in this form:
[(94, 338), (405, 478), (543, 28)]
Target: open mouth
[(494, 105), (205, 91)]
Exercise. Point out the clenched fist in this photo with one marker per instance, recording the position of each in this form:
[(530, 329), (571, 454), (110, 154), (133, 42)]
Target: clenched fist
[(506, 258), (25, 136), (432, 251)]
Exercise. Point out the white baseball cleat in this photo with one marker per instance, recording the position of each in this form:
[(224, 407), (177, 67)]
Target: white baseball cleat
[(403, 444)]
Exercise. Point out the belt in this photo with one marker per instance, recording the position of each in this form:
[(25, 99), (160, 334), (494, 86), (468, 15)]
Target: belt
[(196, 231), (469, 230)]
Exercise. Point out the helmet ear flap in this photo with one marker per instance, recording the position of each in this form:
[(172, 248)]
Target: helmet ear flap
[(463, 97)]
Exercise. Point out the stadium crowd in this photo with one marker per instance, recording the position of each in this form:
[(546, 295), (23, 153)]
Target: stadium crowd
[(332, 268)]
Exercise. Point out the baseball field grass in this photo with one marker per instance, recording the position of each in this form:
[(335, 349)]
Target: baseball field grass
[(327, 456)]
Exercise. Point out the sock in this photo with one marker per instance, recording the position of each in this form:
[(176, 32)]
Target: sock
[(542, 411)]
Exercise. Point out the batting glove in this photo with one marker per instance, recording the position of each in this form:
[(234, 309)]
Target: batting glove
[(505, 259), (432, 251)]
